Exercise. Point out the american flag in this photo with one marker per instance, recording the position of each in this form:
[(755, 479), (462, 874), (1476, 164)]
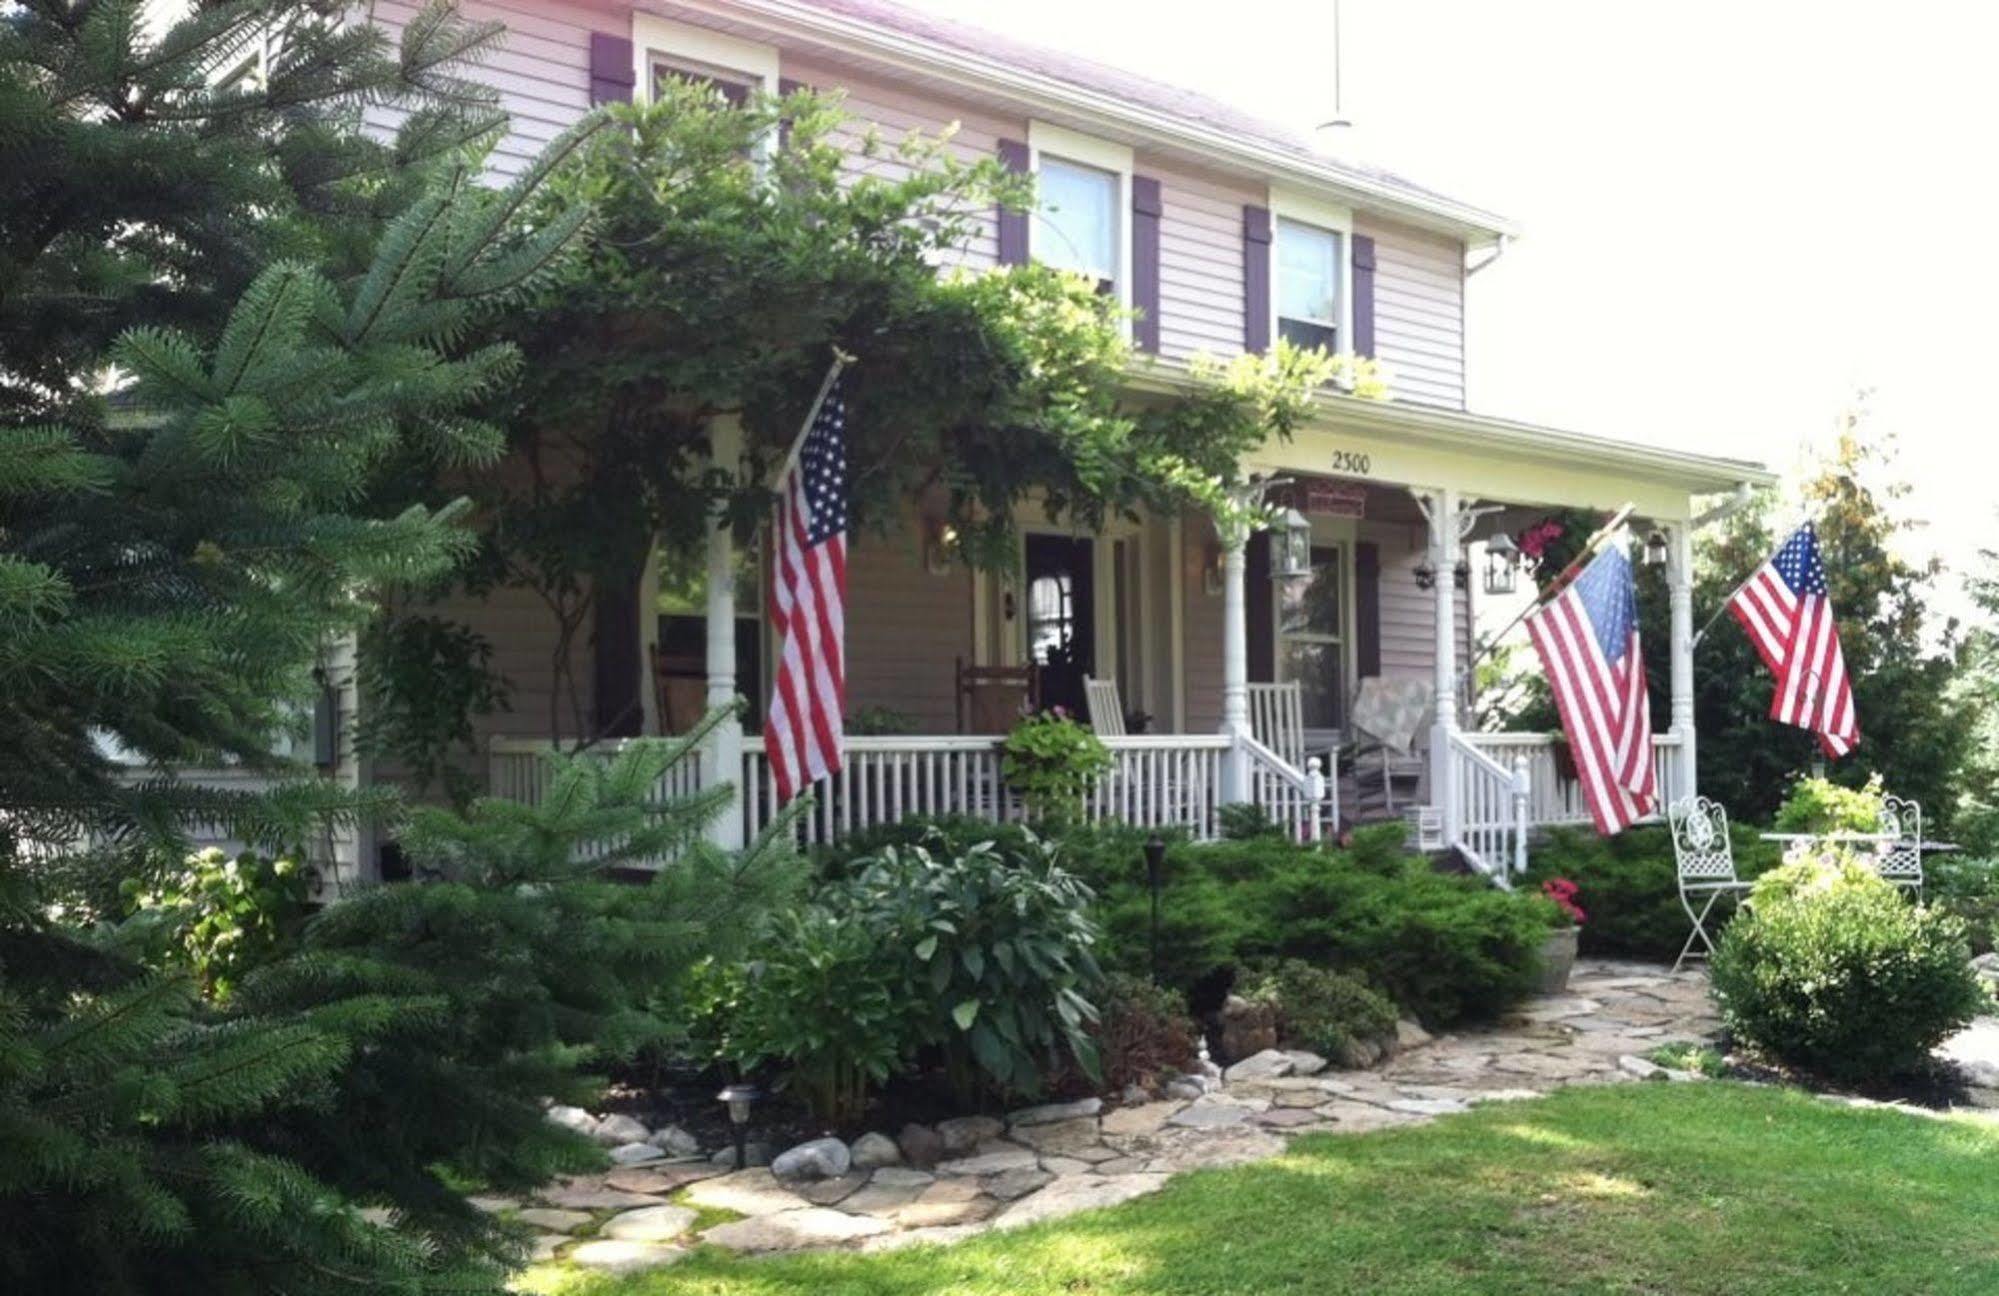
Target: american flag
[(1587, 639), (803, 734), (1788, 613)]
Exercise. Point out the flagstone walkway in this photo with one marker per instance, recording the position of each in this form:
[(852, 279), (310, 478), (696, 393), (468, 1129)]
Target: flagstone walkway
[(1051, 1161)]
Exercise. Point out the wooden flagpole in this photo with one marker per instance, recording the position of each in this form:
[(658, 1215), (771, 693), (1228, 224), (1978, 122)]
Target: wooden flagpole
[(1557, 585)]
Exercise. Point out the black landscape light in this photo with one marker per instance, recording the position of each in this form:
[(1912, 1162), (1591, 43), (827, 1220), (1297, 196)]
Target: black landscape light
[(738, 1098), (1155, 865)]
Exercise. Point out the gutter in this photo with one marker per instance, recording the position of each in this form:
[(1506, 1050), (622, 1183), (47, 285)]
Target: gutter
[(801, 21)]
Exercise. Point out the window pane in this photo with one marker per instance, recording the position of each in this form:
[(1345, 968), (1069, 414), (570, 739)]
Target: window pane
[(1050, 614), (1305, 334), (1076, 224), (1308, 273), (1316, 668), (1311, 604)]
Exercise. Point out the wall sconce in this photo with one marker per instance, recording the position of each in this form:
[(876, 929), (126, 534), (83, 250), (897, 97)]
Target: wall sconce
[(1426, 575), (940, 546), (1502, 564), (1294, 546), (1461, 574), (1655, 548), (1211, 570)]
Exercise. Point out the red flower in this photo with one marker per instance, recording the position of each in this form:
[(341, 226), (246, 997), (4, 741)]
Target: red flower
[(1563, 893)]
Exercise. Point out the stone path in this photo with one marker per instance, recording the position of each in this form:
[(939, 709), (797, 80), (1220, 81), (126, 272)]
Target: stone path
[(1051, 1161)]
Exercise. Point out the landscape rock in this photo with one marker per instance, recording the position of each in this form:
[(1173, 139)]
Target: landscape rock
[(1060, 1137), (573, 1118), (1268, 1064), (1358, 1054), (1644, 1069), (1209, 1114), (831, 1192), (675, 1141), (1304, 1062), (882, 1199), (1134, 1094), (872, 1150), (631, 1154), (746, 1192), (592, 1197), (921, 1146), (1243, 1028), (756, 1152), (1287, 1117), (903, 1176), (1187, 1088), (660, 1178), (648, 1224), (612, 1256), (1050, 1113), (821, 1158), (1145, 1119), (551, 1220), (1428, 1106), (1410, 1035), (991, 1159), (1076, 1193), (1012, 1184), (619, 1128), (794, 1230), (542, 1247), (963, 1133)]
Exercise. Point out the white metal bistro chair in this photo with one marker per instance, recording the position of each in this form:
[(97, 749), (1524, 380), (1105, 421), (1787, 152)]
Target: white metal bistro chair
[(1106, 707), (1900, 860), (1704, 859)]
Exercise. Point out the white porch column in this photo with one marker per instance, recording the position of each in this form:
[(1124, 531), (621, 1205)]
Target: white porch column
[(1235, 665), (1443, 508), (725, 743), (1680, 585)]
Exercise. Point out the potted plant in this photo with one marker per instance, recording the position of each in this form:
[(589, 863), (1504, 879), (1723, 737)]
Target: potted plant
[(1053, 763), (1558, 949)]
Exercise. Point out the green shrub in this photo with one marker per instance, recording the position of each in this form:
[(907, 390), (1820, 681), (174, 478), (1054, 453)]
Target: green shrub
[(1818, 805), (1832, 970), (1321, 1009), (1053, 762), (1142, 1031), (219, 915), (1242, 820), (1628, 887), (1968, 889)]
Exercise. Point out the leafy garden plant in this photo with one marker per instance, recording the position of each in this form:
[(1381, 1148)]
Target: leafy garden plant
[(1831, 969), (1053, 762), (1818, 805), (220, 915), (1321, 1009)]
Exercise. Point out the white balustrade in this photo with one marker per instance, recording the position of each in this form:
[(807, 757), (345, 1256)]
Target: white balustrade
[(518, 769), (1554, 795), (1492, 819)]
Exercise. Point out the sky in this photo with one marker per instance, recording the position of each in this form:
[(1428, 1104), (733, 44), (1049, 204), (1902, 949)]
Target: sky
[(1736, 216)]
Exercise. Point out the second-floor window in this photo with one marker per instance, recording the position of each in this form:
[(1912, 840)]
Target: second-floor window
[(734, 86), (1310, 260), (1076, 224)]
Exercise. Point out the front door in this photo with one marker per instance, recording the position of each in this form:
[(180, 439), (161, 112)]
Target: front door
[(1061, 621)]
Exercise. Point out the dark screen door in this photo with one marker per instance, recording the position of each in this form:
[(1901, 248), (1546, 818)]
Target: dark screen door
[(1061, 616)]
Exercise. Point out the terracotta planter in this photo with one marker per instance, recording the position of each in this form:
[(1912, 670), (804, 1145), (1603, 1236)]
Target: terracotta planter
[(1565, 762), (1558, 957)]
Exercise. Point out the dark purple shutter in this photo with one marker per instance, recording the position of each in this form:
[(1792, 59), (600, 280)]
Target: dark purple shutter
[(1363, 295), (611, 69), (1256, 279), (786, 88), (1367, 609), (1145, 212), (617, 675), (1258, 610), (1013, 224)]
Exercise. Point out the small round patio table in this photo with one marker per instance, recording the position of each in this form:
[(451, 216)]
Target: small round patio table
[(1799, 845)]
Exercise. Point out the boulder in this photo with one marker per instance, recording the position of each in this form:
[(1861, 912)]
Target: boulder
[(1062, 1138), (921, 1146), (794, 1230), (549, 1219), (675, 1141), (1186, 1088), (831, 1192), (1269, 1064), (619, 1128), (746, 1192), (1305, 1062), (648, 1224), (872, 1150), (1643, 1068), (632, 1154), (1242, 1028), (963, 1133), (1358, 1054), (756, 1152), (573, 1118), (1050, 1113), (821, 1158)]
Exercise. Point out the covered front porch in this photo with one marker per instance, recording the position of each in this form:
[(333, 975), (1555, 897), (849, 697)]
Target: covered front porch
[(1214, 677)]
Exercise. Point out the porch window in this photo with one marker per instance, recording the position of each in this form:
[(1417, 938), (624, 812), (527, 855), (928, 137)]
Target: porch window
[(1311, 638), (1309, 261), (1076, 223)]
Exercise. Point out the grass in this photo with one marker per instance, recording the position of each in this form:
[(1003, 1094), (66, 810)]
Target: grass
[(1638, 1190)]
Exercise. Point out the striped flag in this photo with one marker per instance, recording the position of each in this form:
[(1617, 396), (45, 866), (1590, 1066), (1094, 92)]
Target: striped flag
[(1787, 611), (1587, 639), (803, 732)]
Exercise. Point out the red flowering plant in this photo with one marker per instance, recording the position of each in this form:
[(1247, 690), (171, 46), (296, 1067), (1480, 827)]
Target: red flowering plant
[(1562, 893)]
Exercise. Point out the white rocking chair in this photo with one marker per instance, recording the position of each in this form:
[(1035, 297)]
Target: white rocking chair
[(1704, 859), (1900, 861), (1106, 707)]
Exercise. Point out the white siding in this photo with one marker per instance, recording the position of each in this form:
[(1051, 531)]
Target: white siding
[(1200, 260), (1419, 318)]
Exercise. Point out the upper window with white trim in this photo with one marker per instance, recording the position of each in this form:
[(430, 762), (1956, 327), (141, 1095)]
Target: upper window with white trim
[(1311, 264), (673, 51), (1082, 195)]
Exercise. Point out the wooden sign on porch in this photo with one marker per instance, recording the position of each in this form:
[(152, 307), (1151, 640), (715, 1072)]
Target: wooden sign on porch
[(1332, 497)]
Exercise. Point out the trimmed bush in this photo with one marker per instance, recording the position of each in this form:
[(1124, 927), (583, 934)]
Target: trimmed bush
[(1323, 1010), (1627, 885), (1142, 1031), (1830, 969), (1969, 889)]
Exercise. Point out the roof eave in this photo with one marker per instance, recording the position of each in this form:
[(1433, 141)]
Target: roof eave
[(799, 20)]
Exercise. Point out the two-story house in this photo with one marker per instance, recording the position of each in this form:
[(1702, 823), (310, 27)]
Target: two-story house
[(1221, 232)]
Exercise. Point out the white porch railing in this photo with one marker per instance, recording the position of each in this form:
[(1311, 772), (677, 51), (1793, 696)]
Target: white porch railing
[(1553, 799), (1156, 781), (1299, 801), (517, 770), (1492, 821)]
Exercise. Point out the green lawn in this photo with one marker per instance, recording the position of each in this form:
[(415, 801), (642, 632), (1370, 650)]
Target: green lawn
[(1651, 1190)]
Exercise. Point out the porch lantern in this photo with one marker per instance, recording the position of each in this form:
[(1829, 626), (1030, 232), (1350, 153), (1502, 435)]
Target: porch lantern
[(1655, 548), (1294, 548), (738, 1098), (1426, 575), (1502, 564)]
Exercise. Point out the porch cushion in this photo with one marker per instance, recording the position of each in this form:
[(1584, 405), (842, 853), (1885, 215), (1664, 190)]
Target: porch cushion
[(1391, 711)]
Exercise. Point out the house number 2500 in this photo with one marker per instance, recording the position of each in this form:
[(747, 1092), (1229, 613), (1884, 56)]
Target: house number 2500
[(1351, 461)]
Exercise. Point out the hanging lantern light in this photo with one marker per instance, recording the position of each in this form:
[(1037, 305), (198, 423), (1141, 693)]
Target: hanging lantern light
[(1655, 548), (1502, 564), (1426, 575), (1294, 546)]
